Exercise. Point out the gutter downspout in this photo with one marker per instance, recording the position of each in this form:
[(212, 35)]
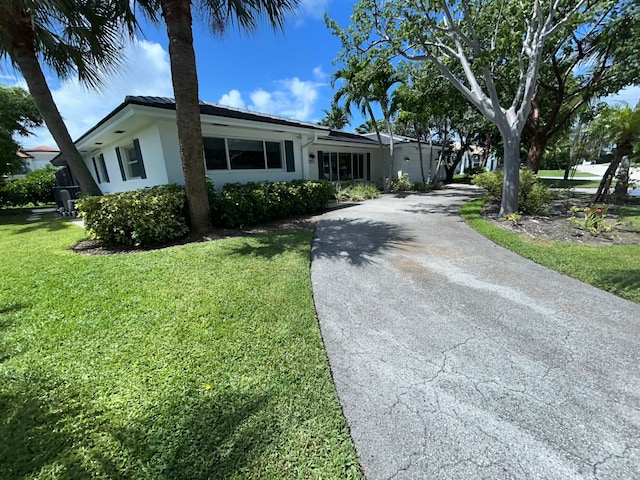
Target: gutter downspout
[(302, 147)]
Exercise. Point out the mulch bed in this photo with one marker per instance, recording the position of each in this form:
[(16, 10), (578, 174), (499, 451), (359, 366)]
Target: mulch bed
[(555, 223)]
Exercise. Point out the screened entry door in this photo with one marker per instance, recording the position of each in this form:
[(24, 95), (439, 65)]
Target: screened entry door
[(344, 167)]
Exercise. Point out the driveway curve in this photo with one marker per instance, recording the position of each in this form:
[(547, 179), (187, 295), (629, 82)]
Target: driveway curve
[(454, 358)]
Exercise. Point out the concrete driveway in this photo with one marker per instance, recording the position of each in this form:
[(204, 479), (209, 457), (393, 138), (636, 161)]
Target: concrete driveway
[(454, 358)]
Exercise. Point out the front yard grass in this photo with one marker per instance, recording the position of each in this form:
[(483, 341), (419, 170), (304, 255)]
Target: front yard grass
[(613, 268), (192, 362)]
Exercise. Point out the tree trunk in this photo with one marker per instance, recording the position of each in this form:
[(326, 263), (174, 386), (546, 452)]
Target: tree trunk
[(605, 183), (450, 170), (420, 157), (177, 17), (386, 183), (511, 185), (623, 149), (539, 142), (622, 181), (29, 66)]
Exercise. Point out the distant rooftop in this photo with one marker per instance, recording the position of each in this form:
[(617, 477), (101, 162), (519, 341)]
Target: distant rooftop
[(41, 148)]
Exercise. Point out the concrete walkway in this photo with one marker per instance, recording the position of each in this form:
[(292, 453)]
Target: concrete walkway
[(454, 358)]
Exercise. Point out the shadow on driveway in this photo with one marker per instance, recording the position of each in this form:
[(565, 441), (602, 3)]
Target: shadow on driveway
[(356, 241)]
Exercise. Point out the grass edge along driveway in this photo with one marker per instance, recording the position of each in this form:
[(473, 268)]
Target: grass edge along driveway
[(615, 268), (196, 361)]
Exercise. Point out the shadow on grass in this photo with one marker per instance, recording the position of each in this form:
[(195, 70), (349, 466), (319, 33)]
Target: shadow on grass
[(48, 224), (272, 245), (622, 282), (197, 435), (355, 241), (210, 436), (32, 440)]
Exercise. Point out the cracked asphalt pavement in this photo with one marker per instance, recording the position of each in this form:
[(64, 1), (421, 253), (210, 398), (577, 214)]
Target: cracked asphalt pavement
[(454, 358)]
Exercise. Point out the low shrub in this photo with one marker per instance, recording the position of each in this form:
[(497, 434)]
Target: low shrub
[(426, 187), (34, 188), (356, 192), (533, 197), (402, 184), (242, 205), (141, 217)]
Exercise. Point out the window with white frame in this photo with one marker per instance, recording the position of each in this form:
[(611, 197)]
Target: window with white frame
[(247, 154), (100, 167), (130, 161)]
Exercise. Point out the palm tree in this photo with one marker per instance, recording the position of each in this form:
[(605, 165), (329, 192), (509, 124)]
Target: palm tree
[(221, 14), (337, 118), (619, 126), (364, 82), (78, 37)]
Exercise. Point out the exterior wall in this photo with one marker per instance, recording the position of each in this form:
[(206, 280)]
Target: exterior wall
[(411, 166), (152, 155), (40, 159)]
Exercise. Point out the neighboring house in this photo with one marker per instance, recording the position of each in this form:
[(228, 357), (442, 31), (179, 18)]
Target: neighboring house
[(35, 158), (136, 146)]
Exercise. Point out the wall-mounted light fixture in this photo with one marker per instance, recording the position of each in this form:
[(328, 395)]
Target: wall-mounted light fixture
[(406, 159), (312, 156)]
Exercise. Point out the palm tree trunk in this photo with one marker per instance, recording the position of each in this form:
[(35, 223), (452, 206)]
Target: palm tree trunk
[(177, 17), (386, 183), (29, 66)]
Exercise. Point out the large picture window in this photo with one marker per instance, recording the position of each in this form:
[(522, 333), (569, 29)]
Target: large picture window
[(215, 153), (244, 154)]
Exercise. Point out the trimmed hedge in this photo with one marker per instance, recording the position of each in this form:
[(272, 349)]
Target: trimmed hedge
[(533, 197), (242, 205), (35, 188), (142, 217)]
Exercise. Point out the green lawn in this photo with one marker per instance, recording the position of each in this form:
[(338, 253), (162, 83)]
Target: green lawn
[(612, 268), (191, 362), (577, 183), (560, 174)]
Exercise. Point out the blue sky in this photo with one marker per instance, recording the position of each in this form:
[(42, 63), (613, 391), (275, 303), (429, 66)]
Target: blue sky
[(285, 74)]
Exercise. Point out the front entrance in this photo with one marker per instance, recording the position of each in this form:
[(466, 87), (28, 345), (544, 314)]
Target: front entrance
[(344, 167)]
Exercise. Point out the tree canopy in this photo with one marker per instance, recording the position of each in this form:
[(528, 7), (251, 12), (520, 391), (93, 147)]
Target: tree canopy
[(18, 116), (479, 47)]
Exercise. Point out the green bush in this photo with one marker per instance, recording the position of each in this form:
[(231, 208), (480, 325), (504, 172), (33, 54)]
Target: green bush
[(402, 184), (356, 192), (426, 187), (242, 205), (35, 188), (533, 197), (142, 217)]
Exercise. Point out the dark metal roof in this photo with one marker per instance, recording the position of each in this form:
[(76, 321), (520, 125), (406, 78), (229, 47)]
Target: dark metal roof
[(348, 137), (221, 111)]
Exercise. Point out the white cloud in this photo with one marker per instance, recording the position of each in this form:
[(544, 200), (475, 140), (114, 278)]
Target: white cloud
[(144, 71), (314, 8), (319, 75), (232, 99), (291, 98)]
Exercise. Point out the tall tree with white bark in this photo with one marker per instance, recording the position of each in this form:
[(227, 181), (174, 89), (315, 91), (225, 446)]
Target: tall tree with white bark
[(469, 43)]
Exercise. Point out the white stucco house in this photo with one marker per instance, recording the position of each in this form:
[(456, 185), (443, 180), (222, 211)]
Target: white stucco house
[(35, 158), (136, 146)]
